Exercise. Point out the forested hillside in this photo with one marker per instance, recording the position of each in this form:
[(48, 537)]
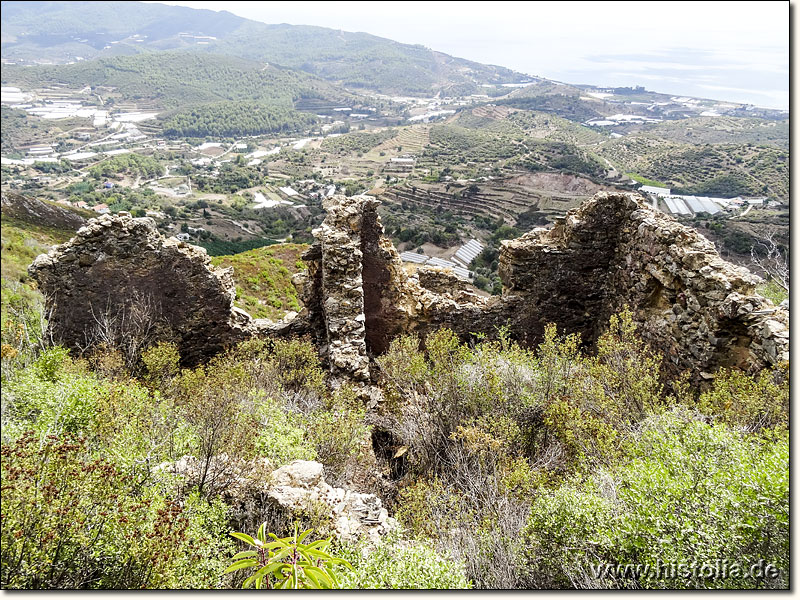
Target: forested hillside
[(59, 31), (228, 119), (173, 79)]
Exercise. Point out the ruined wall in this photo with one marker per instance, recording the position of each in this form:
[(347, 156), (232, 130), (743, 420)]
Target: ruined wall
[(357, 295), (700, 311), (120, 276), (613, 251)]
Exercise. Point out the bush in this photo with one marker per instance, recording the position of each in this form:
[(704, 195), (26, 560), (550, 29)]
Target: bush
[(339, 435), (394, 564), (691, 492), (73, 522), (750, 403), (161, 361), (55, 396), (604, 396)]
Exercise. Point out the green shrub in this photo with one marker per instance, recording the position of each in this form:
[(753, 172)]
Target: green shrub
[(752, 403), (161, 361), (73, 522), (281, 437), (53, 397), (395, 564), (691, 493), (339, 435), (602, 397)]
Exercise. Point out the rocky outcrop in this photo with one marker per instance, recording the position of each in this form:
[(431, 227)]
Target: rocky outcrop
[(38, 212), (120, 279), (298, 487)]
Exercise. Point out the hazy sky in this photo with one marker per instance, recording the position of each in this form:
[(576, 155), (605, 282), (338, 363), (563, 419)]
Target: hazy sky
[(735, 51)]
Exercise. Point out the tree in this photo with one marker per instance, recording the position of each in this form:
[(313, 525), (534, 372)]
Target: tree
[(771, 258)]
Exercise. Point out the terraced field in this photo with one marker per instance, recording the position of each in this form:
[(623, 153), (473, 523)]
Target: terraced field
[(552, 194), (411, 140), (721, 169)]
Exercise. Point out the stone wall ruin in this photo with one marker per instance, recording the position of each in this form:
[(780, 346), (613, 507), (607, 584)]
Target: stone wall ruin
[(119, 277), (698, 310)]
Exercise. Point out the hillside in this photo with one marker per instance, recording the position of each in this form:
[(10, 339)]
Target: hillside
[(725, 170), (29, 228), (58, 32), (173, 79), (263, 279)]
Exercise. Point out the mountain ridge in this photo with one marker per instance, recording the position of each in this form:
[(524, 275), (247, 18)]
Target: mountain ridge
[(59, 33)]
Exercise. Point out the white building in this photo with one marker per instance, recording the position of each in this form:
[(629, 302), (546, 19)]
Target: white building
[(656, 191)]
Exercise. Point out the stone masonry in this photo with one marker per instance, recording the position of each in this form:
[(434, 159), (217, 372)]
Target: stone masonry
[(698, 310), (120, 276)]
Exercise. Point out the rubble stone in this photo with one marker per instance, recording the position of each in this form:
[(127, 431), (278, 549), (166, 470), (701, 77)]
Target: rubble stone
[(298, 486), (120, 276), (613, 251)]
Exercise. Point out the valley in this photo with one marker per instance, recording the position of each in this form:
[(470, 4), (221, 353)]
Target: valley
[(449, 168), (295, 306)]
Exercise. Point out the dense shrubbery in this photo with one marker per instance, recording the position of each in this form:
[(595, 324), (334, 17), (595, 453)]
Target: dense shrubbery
[(689, 492), (399, 564), (533, 468), (507, 467), (176, 79), (74, 521), (230, 179), (84, 502)]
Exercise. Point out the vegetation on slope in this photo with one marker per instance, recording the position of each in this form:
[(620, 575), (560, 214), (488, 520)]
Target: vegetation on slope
[(175, 79), (230, 119), (356, 142), (264, 279), (537, 468), (513, 467), (725, 170), (127, 164), (357, 60), (29, 227), (723, 130)]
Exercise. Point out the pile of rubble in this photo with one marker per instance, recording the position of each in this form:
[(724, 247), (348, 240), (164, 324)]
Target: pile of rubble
[(296, 488)]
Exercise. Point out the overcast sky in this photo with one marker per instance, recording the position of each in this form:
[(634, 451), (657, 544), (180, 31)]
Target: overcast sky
[(735, 51)]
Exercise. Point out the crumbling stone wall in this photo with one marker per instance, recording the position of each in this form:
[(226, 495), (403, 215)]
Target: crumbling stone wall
[(613, 251), (120, 276), (357, 295)]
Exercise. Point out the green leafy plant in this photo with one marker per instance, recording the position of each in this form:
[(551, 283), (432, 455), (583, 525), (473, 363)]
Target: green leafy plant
[(287, 563)]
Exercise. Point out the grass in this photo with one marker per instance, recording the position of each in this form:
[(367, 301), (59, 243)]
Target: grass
[(21, 242), (646, 181), (263, 279)]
